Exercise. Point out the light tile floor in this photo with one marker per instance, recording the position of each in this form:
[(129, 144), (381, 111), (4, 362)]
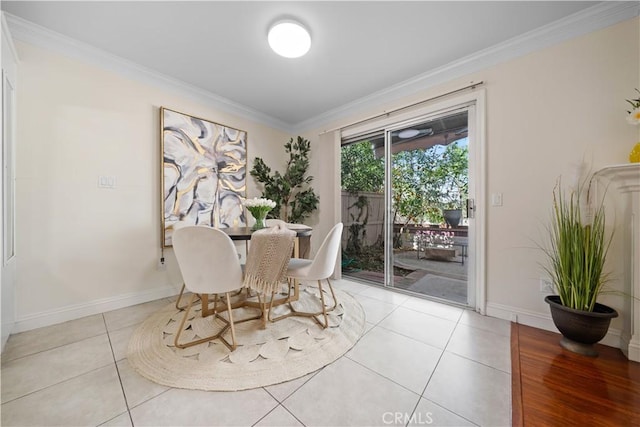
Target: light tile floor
[(418, 363)]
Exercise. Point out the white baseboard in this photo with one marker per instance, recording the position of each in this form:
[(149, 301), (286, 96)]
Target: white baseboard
[(542, 321), (630, 347), (77, 311), (7, 328)]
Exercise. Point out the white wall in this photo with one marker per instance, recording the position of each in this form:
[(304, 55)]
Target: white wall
[(83, 249), (546, 112)]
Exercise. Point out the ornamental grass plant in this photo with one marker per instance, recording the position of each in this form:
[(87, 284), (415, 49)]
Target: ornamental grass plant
[(578, 246)]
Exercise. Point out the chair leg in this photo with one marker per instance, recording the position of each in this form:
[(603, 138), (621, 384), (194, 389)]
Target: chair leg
[(268, 312), (219, 335), (273, 296), (333, 295), (324, 308), (184, 319), (324, 311), (233, 329), (179, 298), (215, 303), (263, 310)]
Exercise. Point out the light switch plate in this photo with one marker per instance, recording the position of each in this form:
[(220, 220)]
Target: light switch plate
[(106, 181)]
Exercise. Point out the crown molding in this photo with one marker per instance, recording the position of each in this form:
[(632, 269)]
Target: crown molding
[(37, 35), (592, 19), (6, 34), (589, 20)]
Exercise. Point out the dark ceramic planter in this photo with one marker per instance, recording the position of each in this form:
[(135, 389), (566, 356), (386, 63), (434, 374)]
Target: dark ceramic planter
[(580, 329), (452, 216)]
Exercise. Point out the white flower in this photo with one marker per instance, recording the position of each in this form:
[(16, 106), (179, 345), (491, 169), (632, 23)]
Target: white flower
[(256, 202), (634, 116)]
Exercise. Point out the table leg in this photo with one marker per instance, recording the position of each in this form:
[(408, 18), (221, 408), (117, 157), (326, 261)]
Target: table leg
[(204, 298), (265, 310), (296, 284)]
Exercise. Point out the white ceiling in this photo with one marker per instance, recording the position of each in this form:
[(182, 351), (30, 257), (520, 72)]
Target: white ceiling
[(358, 48)]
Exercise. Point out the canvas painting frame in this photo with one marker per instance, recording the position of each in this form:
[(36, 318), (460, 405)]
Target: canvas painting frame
[(203, 173)]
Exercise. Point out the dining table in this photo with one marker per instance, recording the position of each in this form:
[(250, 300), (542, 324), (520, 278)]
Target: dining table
[(301, 245), (301, 249)]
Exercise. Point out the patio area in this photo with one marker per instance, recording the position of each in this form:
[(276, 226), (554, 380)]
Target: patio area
[(442, 278)]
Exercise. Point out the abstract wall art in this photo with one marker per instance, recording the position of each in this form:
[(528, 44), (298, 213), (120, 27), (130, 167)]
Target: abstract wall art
[(203, 173)]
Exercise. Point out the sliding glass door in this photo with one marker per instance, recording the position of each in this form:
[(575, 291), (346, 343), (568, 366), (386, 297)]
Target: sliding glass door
[(363, 208), (404, 205)]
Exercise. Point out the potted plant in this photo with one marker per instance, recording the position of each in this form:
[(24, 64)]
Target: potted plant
[(451, 205), (452, 213), (291, 191), (576, 253)]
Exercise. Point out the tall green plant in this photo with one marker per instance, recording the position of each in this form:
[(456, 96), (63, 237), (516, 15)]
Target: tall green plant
[(578, 249), (292, 192)]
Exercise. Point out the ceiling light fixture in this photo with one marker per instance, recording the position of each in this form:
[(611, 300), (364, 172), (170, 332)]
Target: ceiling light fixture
[(408, 133), (289, 39)]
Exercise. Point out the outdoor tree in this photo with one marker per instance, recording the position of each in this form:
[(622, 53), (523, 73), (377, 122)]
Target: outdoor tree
[(415, 186), (453, 176), (425, 181), (361, 171), (440, 181)]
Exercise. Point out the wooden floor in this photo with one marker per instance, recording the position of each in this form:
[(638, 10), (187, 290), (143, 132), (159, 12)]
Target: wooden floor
[(554, 387)]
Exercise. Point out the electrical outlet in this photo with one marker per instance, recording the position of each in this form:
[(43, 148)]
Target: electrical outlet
[(546, 285), (161, 265)]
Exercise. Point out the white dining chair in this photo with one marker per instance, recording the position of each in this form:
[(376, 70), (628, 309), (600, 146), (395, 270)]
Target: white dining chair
[(176, 226), (272, 222), (319, 269), (209, 265)]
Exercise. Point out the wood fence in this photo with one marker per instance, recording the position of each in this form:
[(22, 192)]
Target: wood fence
[(375, 221), (375, 210)]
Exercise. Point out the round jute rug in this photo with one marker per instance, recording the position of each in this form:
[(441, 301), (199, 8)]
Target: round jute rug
[(286, 349)]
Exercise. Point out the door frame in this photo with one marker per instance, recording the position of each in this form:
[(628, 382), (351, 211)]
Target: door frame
[(8, 131), (475, 101)]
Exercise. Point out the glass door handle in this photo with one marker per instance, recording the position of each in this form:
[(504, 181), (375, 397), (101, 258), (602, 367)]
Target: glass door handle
[(471, 208)]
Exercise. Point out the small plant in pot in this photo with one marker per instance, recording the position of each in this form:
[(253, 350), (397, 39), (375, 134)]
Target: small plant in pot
[(578, 246)]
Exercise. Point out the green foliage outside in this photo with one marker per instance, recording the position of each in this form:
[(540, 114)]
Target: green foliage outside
[(453, 176), (292, 192), (361, 171), (424, 183)]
